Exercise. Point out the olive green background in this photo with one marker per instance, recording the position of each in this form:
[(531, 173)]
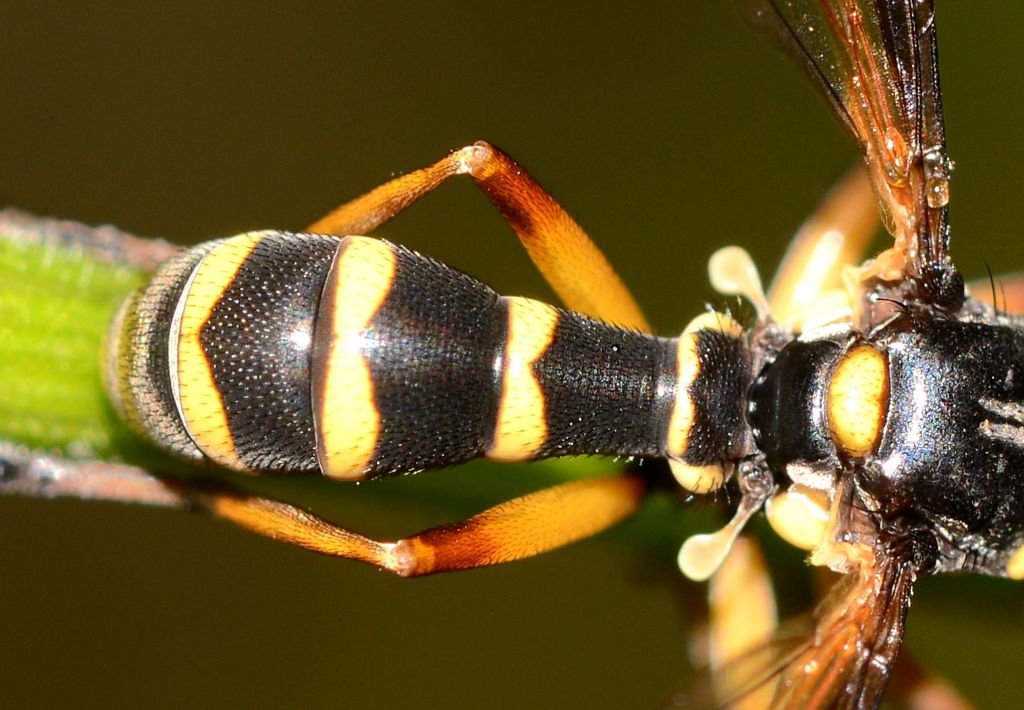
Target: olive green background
[(668, 129)]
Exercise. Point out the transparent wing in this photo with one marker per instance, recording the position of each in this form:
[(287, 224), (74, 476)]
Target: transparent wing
[(876, 62), (840, 657), (857, 637)]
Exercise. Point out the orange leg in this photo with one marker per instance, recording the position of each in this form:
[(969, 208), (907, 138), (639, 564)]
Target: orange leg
[(514, 530), (809, 281), (517, 529), (566, 257), (742, 617)]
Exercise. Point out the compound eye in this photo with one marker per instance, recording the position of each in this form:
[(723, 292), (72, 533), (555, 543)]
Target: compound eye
[(858, 401)]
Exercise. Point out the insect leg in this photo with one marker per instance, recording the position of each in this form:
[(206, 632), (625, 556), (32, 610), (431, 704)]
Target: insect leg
[(566, 257), (514, 530), (743, 614), (809, 283)]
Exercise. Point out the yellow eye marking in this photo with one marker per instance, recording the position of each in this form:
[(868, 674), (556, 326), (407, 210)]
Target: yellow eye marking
[(521, 428), (858, 400), (347, 417)]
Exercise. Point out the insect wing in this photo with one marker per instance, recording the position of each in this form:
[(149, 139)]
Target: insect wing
[(876, 62), (842, 656), (858, 633)]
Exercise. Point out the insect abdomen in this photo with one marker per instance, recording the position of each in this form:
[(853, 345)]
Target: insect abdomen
[(275, 352), (404, 363), (213, 356)]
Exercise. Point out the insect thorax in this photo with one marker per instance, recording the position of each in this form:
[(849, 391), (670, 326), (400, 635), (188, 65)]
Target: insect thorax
[(925, 415)]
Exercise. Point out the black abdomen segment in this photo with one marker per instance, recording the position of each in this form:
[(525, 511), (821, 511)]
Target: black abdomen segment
[(454, 371), (601, 389), (431, 349), (257, 342)]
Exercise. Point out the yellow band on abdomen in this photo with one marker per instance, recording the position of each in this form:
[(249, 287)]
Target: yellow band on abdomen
[(347, 420), (196, 392), (521, 427)]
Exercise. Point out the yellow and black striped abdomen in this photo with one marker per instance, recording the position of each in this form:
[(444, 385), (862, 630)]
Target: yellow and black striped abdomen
[(404, 364), (445, 370), (246, 333), (277, 352)]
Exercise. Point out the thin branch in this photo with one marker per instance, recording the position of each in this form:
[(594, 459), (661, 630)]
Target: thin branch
[(30, 473), (107, 242)]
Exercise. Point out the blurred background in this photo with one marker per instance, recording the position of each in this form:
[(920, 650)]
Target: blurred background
[(667, 130)]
